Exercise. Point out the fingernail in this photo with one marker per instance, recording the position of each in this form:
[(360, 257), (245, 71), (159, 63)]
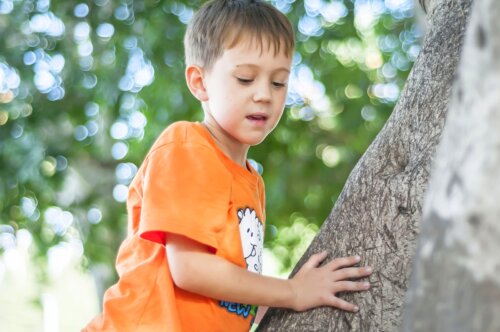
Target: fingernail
[(366, 285), (357, 258), (368, 269), (356, 309)]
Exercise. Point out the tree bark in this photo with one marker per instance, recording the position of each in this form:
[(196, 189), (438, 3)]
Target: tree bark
[(378, 212), (456, 281)]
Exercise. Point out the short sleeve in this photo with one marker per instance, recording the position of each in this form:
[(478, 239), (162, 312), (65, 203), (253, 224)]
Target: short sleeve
[(262, 196), (186, 191)]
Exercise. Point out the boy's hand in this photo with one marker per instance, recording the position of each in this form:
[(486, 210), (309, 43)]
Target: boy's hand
[(315, 286), (195, 269)]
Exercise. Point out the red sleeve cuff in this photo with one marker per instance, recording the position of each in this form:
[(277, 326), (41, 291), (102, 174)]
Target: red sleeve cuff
[(155, 236)]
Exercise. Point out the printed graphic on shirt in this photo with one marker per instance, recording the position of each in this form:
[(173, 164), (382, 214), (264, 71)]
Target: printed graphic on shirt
[(252, 239), (239, 309)]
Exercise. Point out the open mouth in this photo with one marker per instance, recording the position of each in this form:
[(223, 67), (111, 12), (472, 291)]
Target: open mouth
[(257, 117)]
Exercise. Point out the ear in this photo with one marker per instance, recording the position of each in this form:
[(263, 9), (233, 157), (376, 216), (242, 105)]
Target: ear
[(195, 82)]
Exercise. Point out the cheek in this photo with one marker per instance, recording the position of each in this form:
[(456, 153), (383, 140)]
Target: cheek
[(281, 99)]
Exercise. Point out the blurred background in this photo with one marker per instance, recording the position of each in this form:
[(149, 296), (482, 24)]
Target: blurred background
[(87, 86)]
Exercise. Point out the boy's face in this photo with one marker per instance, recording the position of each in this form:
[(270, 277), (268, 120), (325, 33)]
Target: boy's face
[(245, 93)]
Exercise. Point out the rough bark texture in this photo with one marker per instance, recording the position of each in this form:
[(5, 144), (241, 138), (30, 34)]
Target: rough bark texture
[(456, 281), (378, 211)]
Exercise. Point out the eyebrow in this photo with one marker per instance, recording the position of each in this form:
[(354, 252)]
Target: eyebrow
[(255, 66)]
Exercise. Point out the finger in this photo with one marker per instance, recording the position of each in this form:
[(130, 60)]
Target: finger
[(315, 259), (350, 286), (344, 305), (343, 262), (351, 272)]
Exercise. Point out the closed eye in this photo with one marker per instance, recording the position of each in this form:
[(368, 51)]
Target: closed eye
[(279, 84), (244, 80)]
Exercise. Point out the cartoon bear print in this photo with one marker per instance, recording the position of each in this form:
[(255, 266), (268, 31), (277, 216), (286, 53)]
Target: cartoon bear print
[(252, 239)]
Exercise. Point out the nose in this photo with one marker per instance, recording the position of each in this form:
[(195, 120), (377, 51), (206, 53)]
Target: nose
[(262, 92)]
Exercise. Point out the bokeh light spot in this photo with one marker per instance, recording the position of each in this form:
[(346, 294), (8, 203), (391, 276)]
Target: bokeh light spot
[(81, 133), (119, 130), (120, 193), (81, 10), (119, 150), (94, 215), (105, 30)]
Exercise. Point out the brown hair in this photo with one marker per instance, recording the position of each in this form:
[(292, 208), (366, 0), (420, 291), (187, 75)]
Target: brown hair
[(220, 24)]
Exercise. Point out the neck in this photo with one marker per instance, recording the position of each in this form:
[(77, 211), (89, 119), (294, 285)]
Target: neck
[(234, 150)]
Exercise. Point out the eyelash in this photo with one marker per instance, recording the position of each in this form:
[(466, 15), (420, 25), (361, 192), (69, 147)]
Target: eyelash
[(247, 81)]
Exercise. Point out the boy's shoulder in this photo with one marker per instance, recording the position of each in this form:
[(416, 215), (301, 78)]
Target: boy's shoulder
[(180, 133)]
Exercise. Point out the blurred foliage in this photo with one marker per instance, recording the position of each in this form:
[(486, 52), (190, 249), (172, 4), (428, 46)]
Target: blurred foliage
[(86, 87)]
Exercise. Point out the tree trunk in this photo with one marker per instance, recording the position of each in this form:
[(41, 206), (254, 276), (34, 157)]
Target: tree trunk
[(456, 281), (377, 214)]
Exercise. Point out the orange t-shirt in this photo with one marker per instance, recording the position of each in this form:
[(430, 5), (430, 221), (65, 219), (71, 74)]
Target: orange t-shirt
[(187, 186)]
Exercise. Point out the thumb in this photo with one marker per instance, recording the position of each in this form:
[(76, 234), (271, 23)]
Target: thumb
[(315, 259)]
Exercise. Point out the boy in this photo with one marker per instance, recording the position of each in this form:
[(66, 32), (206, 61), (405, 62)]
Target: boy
[(193, 255)]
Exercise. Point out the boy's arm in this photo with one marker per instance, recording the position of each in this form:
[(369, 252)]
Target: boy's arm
[(195, 269)]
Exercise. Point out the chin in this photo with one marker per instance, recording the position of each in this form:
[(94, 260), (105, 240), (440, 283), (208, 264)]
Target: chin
[(254, 142)]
